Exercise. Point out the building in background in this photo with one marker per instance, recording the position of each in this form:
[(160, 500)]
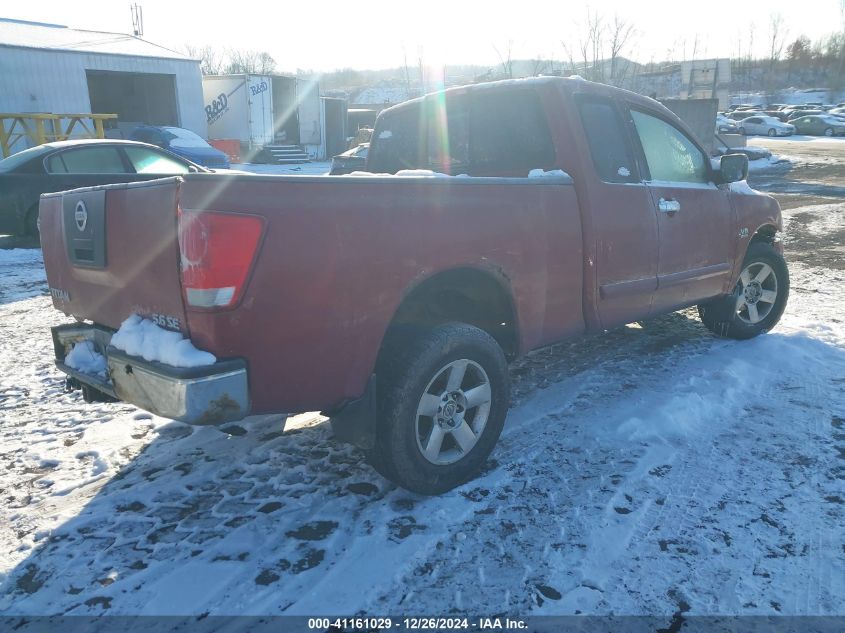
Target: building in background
[(707, 79), (49, 68)]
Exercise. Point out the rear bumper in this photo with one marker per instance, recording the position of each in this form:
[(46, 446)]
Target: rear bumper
[(197, 395)]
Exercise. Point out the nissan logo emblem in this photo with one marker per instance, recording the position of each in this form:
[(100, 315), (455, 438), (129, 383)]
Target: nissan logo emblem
[(81, 215)]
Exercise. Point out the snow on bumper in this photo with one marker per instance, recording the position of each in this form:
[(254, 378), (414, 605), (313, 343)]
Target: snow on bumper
[(197, 395)]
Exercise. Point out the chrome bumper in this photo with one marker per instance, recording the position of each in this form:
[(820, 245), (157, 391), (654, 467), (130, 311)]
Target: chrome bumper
[(197, 395)]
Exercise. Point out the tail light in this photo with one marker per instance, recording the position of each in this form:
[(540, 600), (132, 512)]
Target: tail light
[(217, 252)]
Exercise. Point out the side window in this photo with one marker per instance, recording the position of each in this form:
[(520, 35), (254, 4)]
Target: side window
[(398, 142), (448, 134), (146, 161), (670, 155), (606, 137), (87, 160), (508, 133)]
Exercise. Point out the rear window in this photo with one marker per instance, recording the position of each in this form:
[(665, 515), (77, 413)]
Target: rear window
[(87, 160), (21, 159), (480, 133), (508, 133), (399, 142), (606, 137)]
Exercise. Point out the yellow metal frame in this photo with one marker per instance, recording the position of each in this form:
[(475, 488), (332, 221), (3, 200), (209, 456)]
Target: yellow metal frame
[(43, 128)]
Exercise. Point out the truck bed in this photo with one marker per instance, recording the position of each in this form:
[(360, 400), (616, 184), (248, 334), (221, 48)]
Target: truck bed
[(336, 257)]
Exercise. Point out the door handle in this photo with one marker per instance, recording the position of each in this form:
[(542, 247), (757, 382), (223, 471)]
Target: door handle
[(669, 206)]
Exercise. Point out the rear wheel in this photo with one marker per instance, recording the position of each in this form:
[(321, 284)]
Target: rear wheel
[(758, 300), (443, 397)]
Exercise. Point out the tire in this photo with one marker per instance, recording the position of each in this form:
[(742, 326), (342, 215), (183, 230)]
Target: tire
[(772, 132), (828, 131), (743, 132), (751, 308), (414, 371)]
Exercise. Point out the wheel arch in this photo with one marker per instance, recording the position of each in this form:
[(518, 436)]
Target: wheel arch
[(766, 233), (469, 294)]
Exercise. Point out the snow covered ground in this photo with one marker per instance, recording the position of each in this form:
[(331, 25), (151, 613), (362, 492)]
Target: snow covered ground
[(652, 470)]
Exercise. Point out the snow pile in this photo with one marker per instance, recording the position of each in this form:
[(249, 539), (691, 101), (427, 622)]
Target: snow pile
[(84, 357), (141, 337), (554, 173), (773, 161)]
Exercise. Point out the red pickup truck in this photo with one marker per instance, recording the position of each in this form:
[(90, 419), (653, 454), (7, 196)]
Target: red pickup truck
[(393, 302)]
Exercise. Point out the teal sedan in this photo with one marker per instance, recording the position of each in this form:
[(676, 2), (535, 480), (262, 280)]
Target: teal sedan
[(819, 125)]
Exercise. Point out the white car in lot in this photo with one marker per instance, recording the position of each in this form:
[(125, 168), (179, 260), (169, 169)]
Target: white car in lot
[(765, 125), (724, 125)]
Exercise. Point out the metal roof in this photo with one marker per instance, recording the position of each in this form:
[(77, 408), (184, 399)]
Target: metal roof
[(38, 35)]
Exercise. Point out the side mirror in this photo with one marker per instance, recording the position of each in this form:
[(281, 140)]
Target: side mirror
[(733, 168)]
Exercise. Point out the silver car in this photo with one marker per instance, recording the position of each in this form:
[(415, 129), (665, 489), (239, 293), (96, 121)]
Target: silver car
[(766, 125)]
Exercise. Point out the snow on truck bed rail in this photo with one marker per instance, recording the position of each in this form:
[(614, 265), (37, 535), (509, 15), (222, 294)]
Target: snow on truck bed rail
[(141, 337), (427, 173)]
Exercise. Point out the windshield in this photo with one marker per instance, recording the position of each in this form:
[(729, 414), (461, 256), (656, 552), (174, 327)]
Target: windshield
[(832, 119), (179, 137), (16, 160)]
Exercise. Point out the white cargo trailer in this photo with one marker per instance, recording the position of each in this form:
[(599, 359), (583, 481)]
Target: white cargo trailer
[(274, 117), (239, 107)]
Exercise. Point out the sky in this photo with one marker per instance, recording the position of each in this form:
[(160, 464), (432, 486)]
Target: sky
[(332, 34)]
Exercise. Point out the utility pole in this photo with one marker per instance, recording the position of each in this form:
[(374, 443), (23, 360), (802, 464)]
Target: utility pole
[(137, 19)]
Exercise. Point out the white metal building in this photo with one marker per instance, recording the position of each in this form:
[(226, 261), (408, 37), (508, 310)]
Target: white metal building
[(54, 69)]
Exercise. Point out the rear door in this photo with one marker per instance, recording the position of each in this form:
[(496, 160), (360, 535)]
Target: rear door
[(623, 221), (695, 219)]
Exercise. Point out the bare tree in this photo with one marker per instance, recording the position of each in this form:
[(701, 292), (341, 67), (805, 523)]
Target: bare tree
[(212, 60), (621, 32), (595, 30), (568, 51), (539, 65), (246, 61), (777, 39), (694, 48), (505, 57)]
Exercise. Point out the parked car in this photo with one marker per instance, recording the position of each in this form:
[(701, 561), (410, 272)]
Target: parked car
[(393, 303), (820, 125), (79, 163), (184, 143), (724, 125), (780, 115), (767, 125), (354, 159), (794, 114), (739, 115)]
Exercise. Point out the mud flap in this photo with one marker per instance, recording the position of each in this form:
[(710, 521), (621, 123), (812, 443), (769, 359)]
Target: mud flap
[(355, 422)]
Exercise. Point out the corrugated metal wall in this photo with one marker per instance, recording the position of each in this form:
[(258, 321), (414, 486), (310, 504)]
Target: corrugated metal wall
[(37, 80)]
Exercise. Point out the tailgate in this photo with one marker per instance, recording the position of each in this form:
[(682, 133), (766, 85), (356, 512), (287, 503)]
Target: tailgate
[(113, 250)]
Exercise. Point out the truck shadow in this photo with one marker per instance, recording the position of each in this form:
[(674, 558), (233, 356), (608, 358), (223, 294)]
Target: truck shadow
[(250, 517)]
